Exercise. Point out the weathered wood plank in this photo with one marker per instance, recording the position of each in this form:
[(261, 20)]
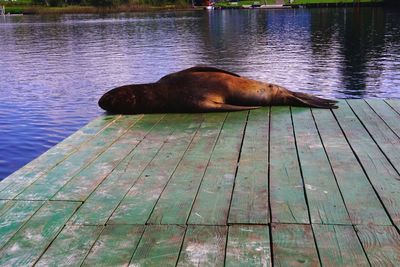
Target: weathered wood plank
[(115, 246), (139, 202), (338, 245), (5, 205), (80, 186), (288, 204), (211, 205), (394, 104), (105, 199), (159, 246), (361, 201), (15, 216), (391, 117), (203, 246), (28, 244), (70, 247), (323, 195), (47, 161), (380, 132), (250, 195), (175, 202), (381, 243), (248, 246), (381, 173), (293, 245), (47, 185)]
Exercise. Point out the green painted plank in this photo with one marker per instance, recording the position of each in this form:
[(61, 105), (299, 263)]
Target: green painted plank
[(293, 245), (288, 204), (115, 246), (211, 205), (47, 161), (381, 243), (175, 202), (381, 173), (391, 117), (338, 245), (105, 199), (15, 216), (28, 244), (323, 195), (203, 246), (159, 246), (139, 202), (378, 129), (71, 246), (394, 104), (248, 246), (5, 205), (49, 184), (250, 195), (361, 201), (81, 185)]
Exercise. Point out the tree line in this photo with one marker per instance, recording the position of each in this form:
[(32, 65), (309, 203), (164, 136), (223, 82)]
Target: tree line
[(105, 3)]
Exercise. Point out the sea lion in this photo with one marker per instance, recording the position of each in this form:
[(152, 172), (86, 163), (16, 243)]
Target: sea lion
[(203, 89)]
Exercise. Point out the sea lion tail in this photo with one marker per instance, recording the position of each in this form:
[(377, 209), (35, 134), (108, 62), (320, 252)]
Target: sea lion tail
[(306, 100)]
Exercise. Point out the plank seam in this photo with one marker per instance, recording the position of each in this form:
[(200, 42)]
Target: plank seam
[(237, 163), (205, 170), (385, 100), (382, 118), (362, 167), (62, 160), (172, 174)]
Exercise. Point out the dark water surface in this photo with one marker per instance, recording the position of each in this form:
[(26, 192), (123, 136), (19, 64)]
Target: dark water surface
[(53, 69)]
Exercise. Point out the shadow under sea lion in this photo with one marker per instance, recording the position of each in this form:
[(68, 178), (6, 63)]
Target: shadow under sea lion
[(203, 89)]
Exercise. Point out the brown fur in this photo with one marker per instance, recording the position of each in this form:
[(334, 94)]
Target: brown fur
[(203, 89)]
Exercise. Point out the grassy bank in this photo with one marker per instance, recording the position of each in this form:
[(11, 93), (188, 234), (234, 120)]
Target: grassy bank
[(310, 2), (43, 10)]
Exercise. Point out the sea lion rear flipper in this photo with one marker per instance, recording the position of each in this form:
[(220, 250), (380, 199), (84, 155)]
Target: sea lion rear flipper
[(311, 101), (208, 69), (209, 106)]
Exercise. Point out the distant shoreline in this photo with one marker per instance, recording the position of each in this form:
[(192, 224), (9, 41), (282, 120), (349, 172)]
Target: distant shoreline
[(76, 9)]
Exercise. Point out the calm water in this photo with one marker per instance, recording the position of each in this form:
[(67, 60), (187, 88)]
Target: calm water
[(53, 69)]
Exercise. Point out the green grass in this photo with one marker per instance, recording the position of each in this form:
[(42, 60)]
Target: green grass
[(245, 3), (305, 2)]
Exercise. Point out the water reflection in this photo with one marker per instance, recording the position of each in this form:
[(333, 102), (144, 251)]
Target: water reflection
[(54, 68)]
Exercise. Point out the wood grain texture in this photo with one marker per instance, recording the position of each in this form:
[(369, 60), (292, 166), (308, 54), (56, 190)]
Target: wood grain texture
[(46, 186), (338, 245), (104, 200), (293, 245), (28, 244), (70, 247), (381, 243), (214, 195), (380, 172), (249, 203), (203, 246), (386, 139), (361, 200), (324, 199), (248, 245), (394, 104), (386, 112), (14, 218), (115, 246), (175, 202), (159, 246), (23, 177), (140, 200), (288, 203), (81, 185)]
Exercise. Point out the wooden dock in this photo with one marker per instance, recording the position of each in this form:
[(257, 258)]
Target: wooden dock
[(275, 186)]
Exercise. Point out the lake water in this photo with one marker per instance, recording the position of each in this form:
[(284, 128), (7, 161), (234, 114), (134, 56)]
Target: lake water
[(53, 69)]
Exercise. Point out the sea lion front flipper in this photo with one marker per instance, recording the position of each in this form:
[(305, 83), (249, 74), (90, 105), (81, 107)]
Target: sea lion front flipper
[(209, 106)]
